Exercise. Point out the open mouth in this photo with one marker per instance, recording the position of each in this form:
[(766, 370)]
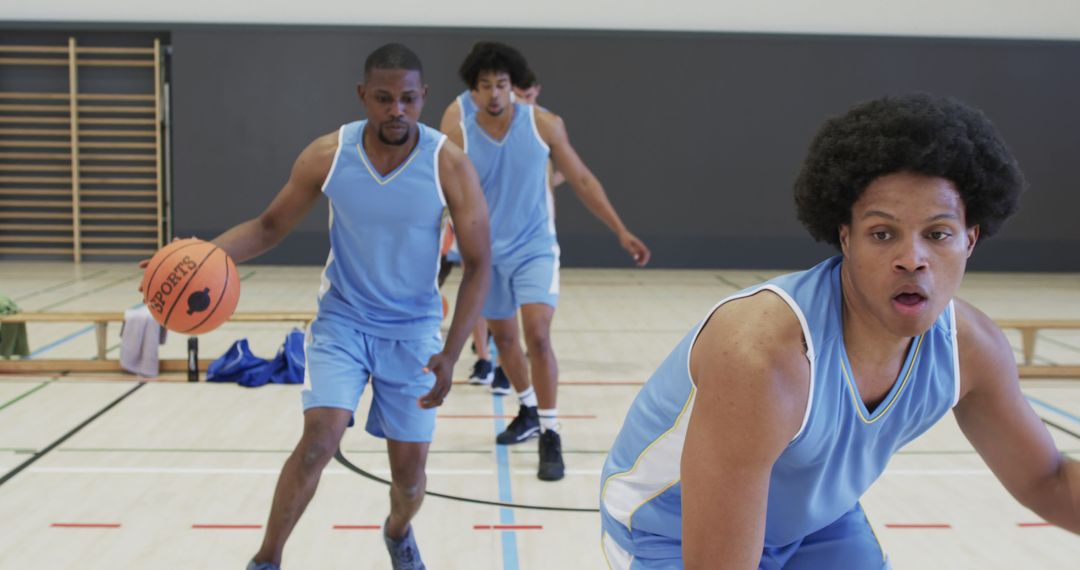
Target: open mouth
[(909, 303)]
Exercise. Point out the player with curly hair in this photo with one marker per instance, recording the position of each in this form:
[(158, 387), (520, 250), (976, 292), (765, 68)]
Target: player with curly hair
[(752, 444)]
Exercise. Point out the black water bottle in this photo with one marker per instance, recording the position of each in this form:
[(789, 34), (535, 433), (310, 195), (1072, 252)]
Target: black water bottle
[(193, 359)]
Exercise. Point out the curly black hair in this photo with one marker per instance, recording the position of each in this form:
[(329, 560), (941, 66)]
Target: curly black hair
[(920, 133), (493, 57)]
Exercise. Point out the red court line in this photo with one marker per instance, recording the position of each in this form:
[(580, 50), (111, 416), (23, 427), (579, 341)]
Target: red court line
[(489, 417), (1033, 524), (508, 527), (357, 527), (584, 382), (930, 525), (85, 525), (227, 526)]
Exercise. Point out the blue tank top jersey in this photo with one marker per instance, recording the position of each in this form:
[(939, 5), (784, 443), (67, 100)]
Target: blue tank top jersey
[(514, 177), (466, 104), (840, 449), (385, 237)]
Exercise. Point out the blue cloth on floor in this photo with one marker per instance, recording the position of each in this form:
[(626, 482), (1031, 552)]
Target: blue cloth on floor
[(240, 365)]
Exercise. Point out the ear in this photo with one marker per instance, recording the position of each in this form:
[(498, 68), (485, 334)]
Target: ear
[(845, 233), (423, 92), (972, 237), (360, 90)]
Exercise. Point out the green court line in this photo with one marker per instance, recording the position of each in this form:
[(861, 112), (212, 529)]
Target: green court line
[(27, 393), (85, 293), (61, 285), (1059, 343), (249, 274)]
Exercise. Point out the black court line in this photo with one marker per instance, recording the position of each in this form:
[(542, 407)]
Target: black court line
[(61, 285), (1060, 428), (68, 435), (348, 465), (730, 283), (89, 292)]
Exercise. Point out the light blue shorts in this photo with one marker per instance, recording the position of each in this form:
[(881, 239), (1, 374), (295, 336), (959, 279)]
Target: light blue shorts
[(341, 361), (521, 282), (849, 542)]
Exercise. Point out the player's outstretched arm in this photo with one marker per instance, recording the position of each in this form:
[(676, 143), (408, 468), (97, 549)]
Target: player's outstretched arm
[(585, 184), (468, 212), (999, 422), (257, 235), (752, 380)]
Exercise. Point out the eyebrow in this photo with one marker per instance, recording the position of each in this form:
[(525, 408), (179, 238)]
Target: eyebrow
[(887, 216)]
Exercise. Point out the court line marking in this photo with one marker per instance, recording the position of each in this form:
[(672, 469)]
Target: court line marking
[(85, 525), (500, 472), (27, 393), (1052, 408), (61, 285), (506, 516), (7, 477)]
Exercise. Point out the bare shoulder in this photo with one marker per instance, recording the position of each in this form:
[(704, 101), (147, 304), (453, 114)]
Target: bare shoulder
[(549, 124), (451, 117), (758, 342), (985, 353), (451, 157)]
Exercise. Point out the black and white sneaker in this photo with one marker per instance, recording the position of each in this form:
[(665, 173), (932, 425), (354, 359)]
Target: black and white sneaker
[(500, 385), (524, 427), (482, 373), (551, 463)]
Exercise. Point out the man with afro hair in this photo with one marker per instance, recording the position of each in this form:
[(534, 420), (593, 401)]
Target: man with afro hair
[(752, 444)]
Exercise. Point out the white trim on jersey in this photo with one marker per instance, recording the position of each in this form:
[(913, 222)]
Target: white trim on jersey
[(955, 353), (324, 282), (614, 555), (337, 155), (445, 222), (536, 130), (464, 135), (438, 181), (657, 468), (553, 289)]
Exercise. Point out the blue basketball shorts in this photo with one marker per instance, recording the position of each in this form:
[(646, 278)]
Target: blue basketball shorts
[(849, 542), (515, 283), (341, 361)]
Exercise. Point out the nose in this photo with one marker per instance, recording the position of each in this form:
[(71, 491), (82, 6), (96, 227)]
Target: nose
[(397, 109), (910, 256)]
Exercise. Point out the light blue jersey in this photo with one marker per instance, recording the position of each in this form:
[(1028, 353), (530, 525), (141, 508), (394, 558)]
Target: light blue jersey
[(514, 177), (466, 104), (385, 237), (840, 449)]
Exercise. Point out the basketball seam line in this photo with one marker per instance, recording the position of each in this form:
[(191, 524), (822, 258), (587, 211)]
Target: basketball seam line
[(221, 297), (180, 295)]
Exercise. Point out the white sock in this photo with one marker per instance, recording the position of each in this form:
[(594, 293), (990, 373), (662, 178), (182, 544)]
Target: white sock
[(528, 397), (549, 419)]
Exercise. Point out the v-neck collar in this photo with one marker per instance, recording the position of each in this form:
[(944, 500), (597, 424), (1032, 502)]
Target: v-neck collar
[(901, 381), (384, 180)]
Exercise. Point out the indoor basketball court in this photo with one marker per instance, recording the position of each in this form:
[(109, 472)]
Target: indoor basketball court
[(122, 133)]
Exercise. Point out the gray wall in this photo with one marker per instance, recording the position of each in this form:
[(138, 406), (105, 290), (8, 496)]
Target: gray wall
[(697, 137)]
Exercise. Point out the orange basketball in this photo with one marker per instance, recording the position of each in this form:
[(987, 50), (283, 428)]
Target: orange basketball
[(191, 286)]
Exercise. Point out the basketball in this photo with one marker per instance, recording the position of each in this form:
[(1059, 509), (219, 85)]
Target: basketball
[(191, 286)]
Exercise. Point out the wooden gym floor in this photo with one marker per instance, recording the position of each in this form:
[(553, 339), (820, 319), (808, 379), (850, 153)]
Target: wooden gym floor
[(179, 475)]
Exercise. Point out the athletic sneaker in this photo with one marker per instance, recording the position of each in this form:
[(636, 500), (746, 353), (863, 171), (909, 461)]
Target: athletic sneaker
[(262, 566), (403, 553), (551, 463), (482, 373), (524, 427), (500, 385)]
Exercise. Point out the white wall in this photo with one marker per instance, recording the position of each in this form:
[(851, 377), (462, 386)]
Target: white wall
[(1049, 19)]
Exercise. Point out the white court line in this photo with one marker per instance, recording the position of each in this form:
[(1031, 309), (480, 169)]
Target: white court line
[(276, 471)]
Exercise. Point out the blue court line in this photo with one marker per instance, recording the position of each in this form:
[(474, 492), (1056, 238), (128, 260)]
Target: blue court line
[(1056, 409), (506, 516), (57, 343)]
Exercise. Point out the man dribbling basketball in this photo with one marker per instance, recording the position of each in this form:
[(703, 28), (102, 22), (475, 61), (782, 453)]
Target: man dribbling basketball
[(388, 179)]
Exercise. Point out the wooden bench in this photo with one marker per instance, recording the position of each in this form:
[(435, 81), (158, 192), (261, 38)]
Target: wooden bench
[(101, 321), (1029, 330)]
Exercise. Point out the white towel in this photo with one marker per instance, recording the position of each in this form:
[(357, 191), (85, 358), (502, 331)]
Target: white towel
[(140, 336)]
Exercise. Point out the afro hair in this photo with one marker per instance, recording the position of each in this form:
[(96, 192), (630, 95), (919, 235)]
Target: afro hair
[(919, 133)]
